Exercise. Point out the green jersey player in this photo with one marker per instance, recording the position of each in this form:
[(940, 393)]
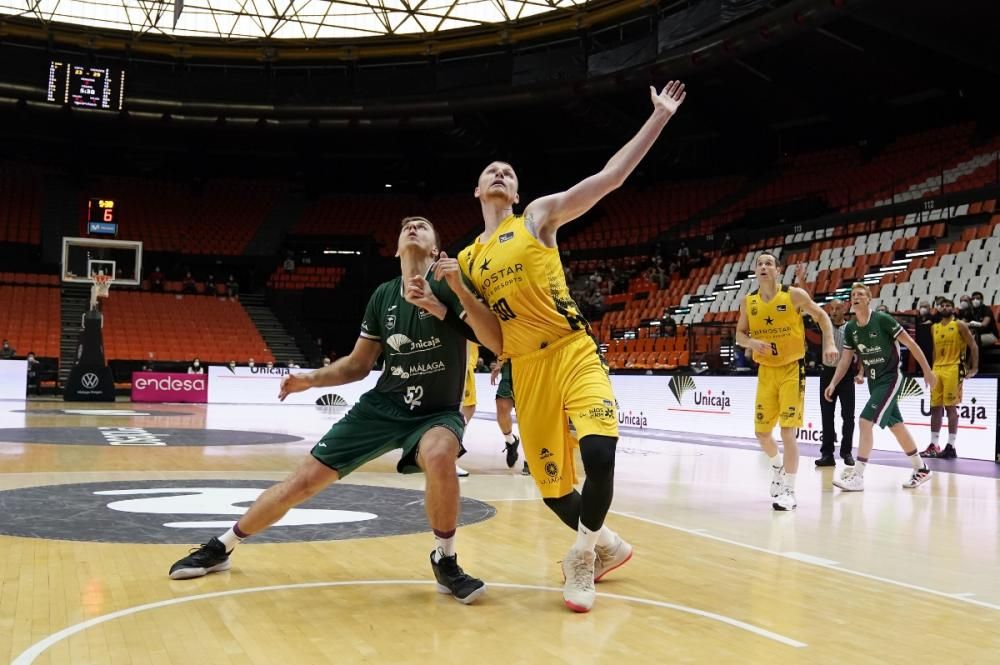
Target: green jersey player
[(875, 337), (418, 323)]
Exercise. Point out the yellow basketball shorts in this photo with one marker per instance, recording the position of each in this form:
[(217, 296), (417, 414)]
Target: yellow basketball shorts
[(948, 389), (565, 381), (781, 396), (470, 387)]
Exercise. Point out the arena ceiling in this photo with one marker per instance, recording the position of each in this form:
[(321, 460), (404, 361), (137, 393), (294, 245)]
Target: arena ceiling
[(282, 19)]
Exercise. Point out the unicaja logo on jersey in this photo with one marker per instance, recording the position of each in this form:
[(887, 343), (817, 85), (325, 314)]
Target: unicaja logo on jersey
[(679, 385), (402, 344)]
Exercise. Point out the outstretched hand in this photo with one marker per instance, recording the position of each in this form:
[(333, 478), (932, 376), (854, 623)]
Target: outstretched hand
[(670, 98), (293, 383)]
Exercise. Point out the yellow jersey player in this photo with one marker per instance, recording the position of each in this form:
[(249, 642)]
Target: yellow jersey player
[(555, 361), (469, 397), (951, 338), (771, 326)]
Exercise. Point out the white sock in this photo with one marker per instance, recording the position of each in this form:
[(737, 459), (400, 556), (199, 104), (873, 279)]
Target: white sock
[(935, 437), (859, 467), (606, 537), (915, 460), (230, 540), (790, 480), (775, 461), (444, 546), (951, 438), (509, 437), (586, 539)]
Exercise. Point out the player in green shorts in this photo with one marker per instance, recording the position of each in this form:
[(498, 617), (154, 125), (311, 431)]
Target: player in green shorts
[(875, 337), (418, 323), (505, 410)]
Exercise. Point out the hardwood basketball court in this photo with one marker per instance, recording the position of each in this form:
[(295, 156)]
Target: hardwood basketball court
[(885, 576)]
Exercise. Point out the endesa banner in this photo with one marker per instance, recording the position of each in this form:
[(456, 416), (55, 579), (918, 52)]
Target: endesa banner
[(13, 379), (169, 387), (724, 406), (260, 385)]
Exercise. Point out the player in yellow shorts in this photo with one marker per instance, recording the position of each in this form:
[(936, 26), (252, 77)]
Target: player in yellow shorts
[(469, 397), (951, 338), (556, 365), (771, 326)]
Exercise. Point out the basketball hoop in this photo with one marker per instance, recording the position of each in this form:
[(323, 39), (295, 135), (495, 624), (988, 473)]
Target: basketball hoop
[(102, 285)]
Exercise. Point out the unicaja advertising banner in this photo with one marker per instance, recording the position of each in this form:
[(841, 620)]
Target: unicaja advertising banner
[(169, 387), (724, 406), (260, 385)]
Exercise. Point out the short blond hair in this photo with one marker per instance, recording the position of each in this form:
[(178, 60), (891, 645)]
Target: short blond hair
[(863, 287)]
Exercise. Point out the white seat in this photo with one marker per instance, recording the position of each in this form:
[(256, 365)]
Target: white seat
[(962, 210), (947, 260)]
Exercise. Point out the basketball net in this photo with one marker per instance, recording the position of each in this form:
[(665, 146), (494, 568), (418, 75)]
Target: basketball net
[(100, 289)]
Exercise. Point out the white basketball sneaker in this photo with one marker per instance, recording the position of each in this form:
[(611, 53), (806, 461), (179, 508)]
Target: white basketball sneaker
[(785, 501), (611, 557), (777, 480), (578, 590), (850, 481), (460, 472), (919, 477)]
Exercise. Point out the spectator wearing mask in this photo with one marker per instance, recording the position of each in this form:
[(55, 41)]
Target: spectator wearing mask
[(292, 365), (981, 321), (289, 264), (189, 285), (196, 368), (964, 312), (210, 284), (232, 287), (668, 325), (250, 363), (270, 365), (149, 365), (7, 353), (883, 309), (326, 362), (232, 365)]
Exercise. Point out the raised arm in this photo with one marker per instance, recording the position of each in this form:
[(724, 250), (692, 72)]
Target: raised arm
[(805, 303), (970, 342), (484, 324), (547, 214), (350, 368)]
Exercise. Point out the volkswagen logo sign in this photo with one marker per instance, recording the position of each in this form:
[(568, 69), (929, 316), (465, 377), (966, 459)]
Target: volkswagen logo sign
[(89, 380)]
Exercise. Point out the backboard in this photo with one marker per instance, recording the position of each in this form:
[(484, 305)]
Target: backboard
[(82, 257)]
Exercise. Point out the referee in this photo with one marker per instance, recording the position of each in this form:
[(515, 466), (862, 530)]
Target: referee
[(844, 393)]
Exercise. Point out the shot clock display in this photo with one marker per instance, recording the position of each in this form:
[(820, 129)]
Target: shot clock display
[(102, 217), (86, 86)]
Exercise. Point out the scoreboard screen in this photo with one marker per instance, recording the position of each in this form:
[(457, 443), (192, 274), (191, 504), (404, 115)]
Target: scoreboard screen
[(86, 86), (102, 217)]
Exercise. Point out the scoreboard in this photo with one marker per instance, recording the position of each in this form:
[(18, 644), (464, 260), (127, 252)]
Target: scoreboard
[(85, 86), (102, 217)]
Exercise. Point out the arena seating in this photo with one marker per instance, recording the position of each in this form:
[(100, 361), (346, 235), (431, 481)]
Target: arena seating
[(20, 204), (170, 216), (29, 318), (304, 277), (379, 216), (179, 328)]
